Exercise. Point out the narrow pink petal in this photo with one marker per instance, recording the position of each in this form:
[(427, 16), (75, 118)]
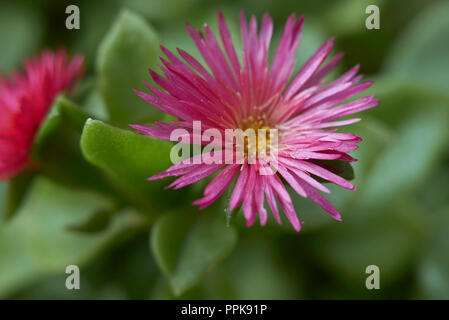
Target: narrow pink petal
[(336, 123), (321, 201), (307, 178), (319, 171), (309, 68), (227, 43), (249, 207), (259, 199), (292, 181), (271, 199), (195, 175), (286, 202), (305, 155), (317, 77), (239, 189), (217, 186)]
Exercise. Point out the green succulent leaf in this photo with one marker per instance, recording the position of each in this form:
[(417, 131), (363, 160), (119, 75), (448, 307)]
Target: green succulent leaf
[(422, 49), (129, 158), (94, 105), (410, 158), (187, 245), (126, 53), (63, 111), (347, 251), (17, 269), (89, 97), (402, 98), (97, 222), (56, 147), (96, 20), (38, 241), (263, 275), (17, 189)]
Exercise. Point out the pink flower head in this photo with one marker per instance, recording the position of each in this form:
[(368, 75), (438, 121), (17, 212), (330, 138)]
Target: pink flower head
[(249, 92), (25, 99)]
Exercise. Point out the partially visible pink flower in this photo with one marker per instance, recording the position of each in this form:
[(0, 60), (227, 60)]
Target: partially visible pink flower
[(250, 92), (25, 99)]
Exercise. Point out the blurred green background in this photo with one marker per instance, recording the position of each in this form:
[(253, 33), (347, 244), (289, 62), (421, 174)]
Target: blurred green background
[(91, 206)]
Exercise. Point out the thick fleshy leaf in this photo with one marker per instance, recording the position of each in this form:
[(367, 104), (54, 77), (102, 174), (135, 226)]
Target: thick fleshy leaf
[(263, 276), (128, 159), (17, 270), (96, 19), (63, 111), (97, 222), (94, 105), (16, 191), (410, 158), (391, 250), (89, 97), (126, 53), (433, 193), (56, 147), (187, 245), (389, 242), (421, 51), (401, 98), (38, 241)]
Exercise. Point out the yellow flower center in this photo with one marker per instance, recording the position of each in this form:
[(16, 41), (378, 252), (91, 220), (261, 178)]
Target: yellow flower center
[(257, 135)]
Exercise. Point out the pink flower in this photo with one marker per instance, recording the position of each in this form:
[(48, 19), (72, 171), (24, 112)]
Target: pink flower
[(25, 99), (251, 93)]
